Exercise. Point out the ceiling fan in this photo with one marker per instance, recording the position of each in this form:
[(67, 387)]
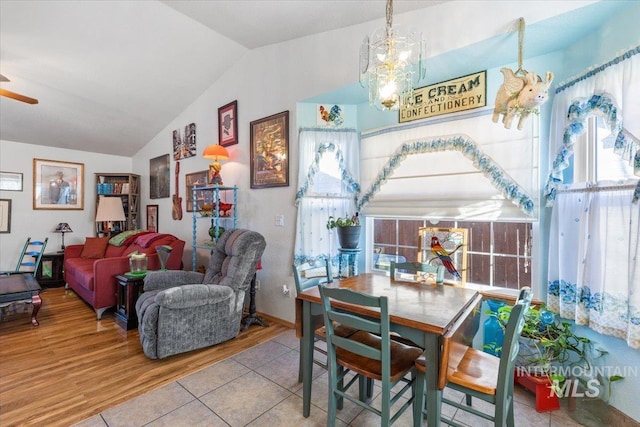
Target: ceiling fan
[(14, 95)]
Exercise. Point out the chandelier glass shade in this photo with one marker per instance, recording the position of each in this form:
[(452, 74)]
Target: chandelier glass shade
[(391, 64)]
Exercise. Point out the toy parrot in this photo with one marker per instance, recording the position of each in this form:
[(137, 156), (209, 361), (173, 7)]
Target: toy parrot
[(437, 249)]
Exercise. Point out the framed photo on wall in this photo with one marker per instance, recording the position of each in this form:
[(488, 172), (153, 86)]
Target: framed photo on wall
[(198, 179), (159, 171), (269, 158), (5, 215), (152, 218), (228, 124), (11, 181), (58, 185)]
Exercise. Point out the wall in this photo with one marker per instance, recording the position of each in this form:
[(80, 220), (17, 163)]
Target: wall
[(39, 224)]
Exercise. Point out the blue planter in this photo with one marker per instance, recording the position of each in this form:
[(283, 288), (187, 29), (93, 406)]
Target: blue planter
[(493, 332)]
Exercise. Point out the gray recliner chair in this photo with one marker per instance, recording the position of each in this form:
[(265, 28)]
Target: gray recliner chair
[(181, 311)]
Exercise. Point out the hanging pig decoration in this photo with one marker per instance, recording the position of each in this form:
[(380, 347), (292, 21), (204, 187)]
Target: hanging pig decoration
[(520, 96)]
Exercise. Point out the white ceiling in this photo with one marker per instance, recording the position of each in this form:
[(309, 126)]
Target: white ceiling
[(110, 75)]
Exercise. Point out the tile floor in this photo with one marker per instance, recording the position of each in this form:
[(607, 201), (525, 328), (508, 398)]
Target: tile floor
[(259, 387)]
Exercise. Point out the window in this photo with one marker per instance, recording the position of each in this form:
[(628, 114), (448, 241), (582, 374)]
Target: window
[(594, 156), (499, 253)]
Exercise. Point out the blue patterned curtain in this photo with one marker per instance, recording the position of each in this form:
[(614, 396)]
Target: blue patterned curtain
[(594, 275), (593, 243)]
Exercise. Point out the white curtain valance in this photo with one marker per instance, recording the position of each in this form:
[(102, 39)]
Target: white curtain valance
[(611, 91), (463, 167)]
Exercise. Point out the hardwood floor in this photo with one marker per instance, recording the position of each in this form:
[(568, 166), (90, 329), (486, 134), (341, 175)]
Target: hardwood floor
[(72, 367)]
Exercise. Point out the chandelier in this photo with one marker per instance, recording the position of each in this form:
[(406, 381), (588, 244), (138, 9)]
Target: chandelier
[(391, 63)]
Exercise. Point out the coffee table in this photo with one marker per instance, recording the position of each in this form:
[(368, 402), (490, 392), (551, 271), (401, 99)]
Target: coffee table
[(21, 288)]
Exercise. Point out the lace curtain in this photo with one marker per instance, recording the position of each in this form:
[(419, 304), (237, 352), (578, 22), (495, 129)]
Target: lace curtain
[(594, 275), (318, 197), (593, 242)]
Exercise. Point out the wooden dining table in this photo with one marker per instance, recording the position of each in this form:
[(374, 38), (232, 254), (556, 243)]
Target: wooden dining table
[(420, 312)]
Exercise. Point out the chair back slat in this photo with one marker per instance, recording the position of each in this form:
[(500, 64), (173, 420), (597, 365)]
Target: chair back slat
[(307, 275), (355, 322), (357, 347)]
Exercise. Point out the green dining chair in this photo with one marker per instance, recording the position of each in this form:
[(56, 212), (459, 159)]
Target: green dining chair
[(479, 374), (306, 276), (419, 269), (369, 353), (30, 257)]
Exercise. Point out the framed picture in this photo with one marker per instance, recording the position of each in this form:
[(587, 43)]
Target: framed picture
[(198, 179), (5, 215), (11, 181), (270, 151), (184, 146), (58, 185), (228, 124), (453, 242), (159, 170), (152, 218)]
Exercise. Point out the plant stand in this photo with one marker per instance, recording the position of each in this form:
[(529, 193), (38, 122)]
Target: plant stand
[(541, 387)]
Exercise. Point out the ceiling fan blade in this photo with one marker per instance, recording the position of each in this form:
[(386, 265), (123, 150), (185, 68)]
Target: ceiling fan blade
[(4, 79), (17, 96)]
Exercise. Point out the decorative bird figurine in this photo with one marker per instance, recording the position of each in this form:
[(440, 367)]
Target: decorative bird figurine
[(437, 249)]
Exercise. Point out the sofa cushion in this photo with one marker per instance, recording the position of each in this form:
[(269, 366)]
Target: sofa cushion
[(94, 247), (115, 251), (81, 270)]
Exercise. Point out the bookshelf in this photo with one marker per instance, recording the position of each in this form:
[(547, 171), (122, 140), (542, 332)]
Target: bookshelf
[(127, 187)]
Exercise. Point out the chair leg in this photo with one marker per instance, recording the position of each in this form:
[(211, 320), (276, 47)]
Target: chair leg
[(300, 368), (419, 399), (340, 386), (468, 398)]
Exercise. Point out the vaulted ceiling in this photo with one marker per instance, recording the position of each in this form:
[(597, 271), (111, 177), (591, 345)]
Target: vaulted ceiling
[(110, 75)]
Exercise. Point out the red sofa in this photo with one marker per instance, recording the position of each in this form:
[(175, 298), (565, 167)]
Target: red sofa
[(94, 278)]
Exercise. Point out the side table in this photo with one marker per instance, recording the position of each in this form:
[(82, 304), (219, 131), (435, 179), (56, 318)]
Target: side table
[(51, 269), (128, 291), (348, 259)]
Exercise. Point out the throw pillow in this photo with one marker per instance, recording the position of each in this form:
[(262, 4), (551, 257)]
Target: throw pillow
[(119, 238), (94, 247)]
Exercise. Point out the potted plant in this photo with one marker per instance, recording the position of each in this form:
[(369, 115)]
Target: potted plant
[(348, 228), (549, 347)]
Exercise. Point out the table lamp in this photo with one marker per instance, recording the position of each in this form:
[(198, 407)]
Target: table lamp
[(109, 210), (63, 227), (216, 152)]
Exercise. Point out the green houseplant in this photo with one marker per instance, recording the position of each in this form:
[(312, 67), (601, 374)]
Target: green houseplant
[(550, 347), (348, 228)]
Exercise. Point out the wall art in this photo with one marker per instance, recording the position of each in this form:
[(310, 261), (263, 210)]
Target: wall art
[(270, 151), (58, 185)]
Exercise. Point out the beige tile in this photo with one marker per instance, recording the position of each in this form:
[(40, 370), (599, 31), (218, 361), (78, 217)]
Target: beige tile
[(260, 354), (288, 413), (527, 416), (244, 399), (522, 395), (146, 408), (289, 339), (284, 370), (320, 398), (214, 376), (95, 421), (368, 418), (193, 414)]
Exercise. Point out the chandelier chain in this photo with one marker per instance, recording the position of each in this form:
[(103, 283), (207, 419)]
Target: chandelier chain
[(389, 17)]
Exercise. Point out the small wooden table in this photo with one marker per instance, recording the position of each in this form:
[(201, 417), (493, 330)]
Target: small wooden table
[(51, 270), (21, 288), (129, 289), (422, 313)]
